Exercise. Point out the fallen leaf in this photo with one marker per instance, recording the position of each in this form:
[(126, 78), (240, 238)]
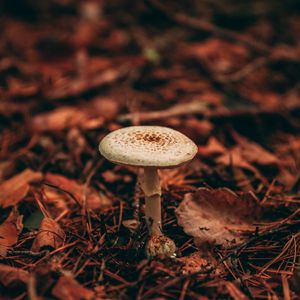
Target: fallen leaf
[(50, 235), (94, 199), (67, 288), (256, 154), (217, 216), (13, 190), (212, 148), (9, 231), (234, 157), (56, 201), (11, 276), (197, 130), (75, 86), (86, 117), (18, 88), (60, 118), (220, 56)]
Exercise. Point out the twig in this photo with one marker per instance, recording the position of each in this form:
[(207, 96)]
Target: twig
[(206, 26), (27, 253), (176, 110), (200, 109)]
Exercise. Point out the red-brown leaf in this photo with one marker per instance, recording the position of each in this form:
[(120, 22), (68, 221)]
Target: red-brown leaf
[(212, 148), (216, 216), (9, 231), (94, 200), (68, 288), (13, 190), (10, 276), (50, 235)]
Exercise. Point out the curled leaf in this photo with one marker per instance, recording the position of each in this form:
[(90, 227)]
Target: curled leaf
[(50, 235)]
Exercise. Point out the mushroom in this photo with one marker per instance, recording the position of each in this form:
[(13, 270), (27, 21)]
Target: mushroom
[(152, 148)]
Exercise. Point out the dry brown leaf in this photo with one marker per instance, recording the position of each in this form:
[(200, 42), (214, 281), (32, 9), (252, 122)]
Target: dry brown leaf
[(67, 288), (234, 158), (13, 190), (197, 130), (9, 231), (10, 276), (256, 154), (56, 201), (50, 235), (59, 119), (86, 117), (75, 86), (94, 200), (220, 56), (216, 216), (212, 148)]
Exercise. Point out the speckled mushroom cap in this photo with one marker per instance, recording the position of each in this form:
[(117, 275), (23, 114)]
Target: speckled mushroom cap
[(148, 146)]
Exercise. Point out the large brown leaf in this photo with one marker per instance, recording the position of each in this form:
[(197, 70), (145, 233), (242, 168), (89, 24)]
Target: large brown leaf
[(217, 215), (13, 190), (10, 276), (50, 235), (9, 231), (67, 288)]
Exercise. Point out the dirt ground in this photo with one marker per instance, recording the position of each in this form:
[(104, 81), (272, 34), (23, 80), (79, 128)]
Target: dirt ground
[(224, 73)]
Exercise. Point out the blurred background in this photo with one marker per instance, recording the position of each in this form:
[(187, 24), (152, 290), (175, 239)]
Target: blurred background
[(198, 66), (225, 73)]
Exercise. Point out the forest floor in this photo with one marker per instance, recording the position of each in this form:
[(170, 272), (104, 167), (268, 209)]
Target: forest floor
[(71, 226)]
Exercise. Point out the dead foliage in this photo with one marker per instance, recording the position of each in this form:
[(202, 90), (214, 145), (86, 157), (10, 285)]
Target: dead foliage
[(217, 216), (9, 231), (14, 190), (226, 75), (10, 276), (50, 235), (68, 288)]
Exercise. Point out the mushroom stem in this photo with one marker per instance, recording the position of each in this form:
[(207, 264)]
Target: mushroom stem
[(151, 187)]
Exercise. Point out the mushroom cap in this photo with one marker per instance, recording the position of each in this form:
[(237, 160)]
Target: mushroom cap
[(148, 146)]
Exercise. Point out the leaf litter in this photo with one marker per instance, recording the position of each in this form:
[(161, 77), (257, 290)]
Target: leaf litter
[(69, 77)]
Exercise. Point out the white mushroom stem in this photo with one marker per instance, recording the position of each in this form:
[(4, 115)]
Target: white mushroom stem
[(152, 190)]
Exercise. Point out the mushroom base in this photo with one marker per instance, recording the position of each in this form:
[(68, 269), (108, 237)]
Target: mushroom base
[(160, 246)]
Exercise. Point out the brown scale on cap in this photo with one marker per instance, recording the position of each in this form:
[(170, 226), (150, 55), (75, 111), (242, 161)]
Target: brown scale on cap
[(145, 146)]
